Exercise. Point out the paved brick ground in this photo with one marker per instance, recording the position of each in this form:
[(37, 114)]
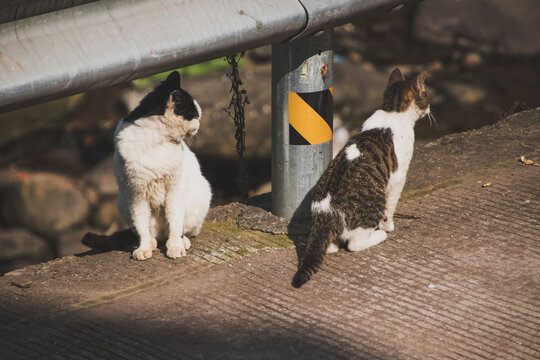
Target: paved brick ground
[(459, 279)]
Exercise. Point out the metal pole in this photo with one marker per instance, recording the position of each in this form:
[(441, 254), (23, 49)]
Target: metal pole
[(302, 78)]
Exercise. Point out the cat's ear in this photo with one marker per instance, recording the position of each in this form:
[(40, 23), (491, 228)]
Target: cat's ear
[(174, 80), (174, 99), (396, 75), (419, 82)]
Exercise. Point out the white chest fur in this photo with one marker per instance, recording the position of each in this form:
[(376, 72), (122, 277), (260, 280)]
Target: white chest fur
[(147, 153), (402, 126)]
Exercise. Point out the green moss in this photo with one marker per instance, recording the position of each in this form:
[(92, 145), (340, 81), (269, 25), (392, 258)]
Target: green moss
[(265, 240), (251, 240), (225, 227), (242, 252)]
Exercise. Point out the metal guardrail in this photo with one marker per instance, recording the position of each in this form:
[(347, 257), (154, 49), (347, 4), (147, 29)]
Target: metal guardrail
[(106, 42), (102, 43)]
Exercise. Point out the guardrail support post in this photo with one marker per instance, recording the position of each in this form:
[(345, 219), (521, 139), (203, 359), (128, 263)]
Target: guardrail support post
[(302, 94)]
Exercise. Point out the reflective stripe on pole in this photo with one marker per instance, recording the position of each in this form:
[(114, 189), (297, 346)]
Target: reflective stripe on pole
[(310, 117), (302, 98)]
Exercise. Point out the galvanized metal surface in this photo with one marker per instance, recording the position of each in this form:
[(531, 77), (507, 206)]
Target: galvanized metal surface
[(11, 10), (109, 42), (331, 13), (296, 67), (112, 41)]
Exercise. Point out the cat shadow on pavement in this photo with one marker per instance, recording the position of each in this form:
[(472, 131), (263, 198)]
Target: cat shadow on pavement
[(123, 240)]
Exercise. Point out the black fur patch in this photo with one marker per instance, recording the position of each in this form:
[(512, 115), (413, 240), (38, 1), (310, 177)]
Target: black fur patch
[(184, 105), (155, 102)]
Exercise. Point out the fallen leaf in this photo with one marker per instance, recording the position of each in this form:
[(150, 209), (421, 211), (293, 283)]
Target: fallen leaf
[(525, 161), (487, 184)]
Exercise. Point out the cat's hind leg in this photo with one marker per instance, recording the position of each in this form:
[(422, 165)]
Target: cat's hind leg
[(187, 242), (198, 208), (393, 192), (361, 239)]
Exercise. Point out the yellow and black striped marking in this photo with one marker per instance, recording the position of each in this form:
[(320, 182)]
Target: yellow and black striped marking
[(310, 117)]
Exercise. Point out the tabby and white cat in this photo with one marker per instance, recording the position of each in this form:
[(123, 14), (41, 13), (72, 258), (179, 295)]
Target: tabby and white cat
[(355, 199), (162, 192)]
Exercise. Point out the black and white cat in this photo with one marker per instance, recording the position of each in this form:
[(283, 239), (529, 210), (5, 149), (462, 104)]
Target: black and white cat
[(355, 199), (162, 192)]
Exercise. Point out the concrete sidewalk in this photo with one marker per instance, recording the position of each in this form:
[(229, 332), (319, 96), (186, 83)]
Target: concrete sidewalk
[(457, 279)]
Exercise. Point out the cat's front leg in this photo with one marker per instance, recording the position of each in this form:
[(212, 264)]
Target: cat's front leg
[(140, 215), (387, 225), (393, 193), (175, 211)]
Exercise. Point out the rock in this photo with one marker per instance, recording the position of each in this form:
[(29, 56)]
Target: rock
[(101, 178), (50, 115), (44, 202), (106, 214), (359, 92), (225, 212), (465, 94), (8, 177), (262, 189), (261, 54), (501, 26), (472, 59), (21, 244), (66, 158), (255, 218)]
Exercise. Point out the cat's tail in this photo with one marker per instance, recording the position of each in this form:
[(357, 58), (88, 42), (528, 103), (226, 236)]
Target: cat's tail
[(325, 231), (117, 241)]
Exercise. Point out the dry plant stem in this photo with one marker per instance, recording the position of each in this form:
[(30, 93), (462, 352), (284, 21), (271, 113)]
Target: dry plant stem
[(235, 110)]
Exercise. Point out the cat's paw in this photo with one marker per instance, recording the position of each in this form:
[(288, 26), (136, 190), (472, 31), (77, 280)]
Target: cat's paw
[(363, 242), (332, 248), (387, 225), (142, 254), (174, 252), (153, 242), (187, 242)]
